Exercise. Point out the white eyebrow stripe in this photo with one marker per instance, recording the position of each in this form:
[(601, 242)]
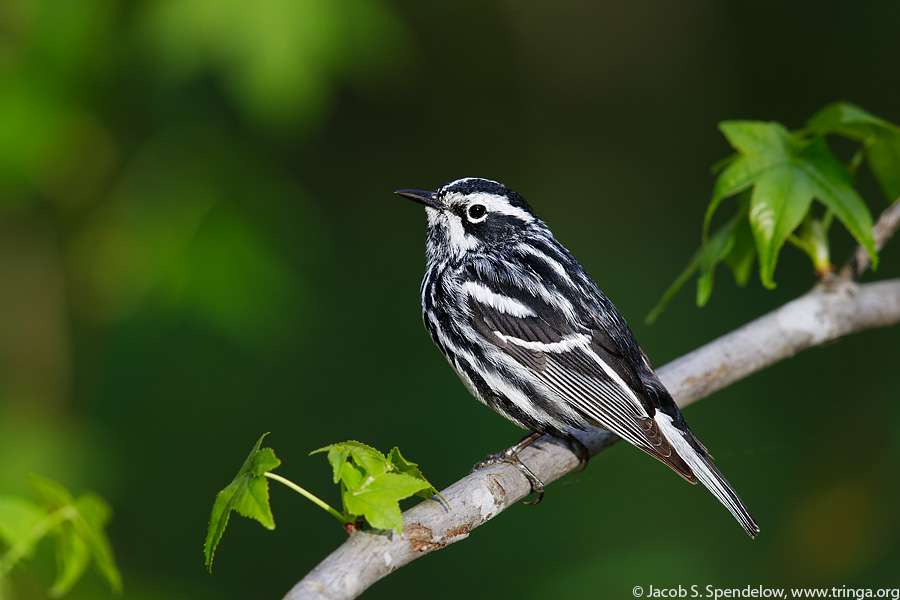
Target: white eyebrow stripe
[(492, 202), (483, 294), (499, 204)]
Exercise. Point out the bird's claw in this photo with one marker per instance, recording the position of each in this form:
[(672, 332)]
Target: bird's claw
[(511, 456)]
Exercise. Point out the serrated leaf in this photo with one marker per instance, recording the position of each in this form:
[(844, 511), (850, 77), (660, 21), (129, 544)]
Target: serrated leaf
[(761, 146), (253, 500), (372, 484), (377, 499), (248, 494), (832, 186), (338, 458), (368, 458), (401, 465), (881, 138)]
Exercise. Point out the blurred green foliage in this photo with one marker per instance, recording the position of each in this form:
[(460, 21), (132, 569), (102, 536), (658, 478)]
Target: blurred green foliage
[(75, 524), (196, 217)]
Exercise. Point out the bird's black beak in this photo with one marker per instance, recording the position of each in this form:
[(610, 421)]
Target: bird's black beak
[(429, 199)]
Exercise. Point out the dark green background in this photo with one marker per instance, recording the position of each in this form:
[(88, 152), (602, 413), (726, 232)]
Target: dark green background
[(199, 243)]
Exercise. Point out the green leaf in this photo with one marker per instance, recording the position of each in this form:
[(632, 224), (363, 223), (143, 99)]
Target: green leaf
[(79, 528), (18, 517), (84, 538), (368, 458), (248, 494), (377, 499), (832, 186), (372, 484), (743, 252), (72, 559), (720, 165), (781, 193), (352, 476), (401, 465), (95, 514), (711, 254), (787, 172), (884, 160), (758, 138), (762, 146), (849, 121), (881, 138), (781, 198), (20, 529), (338, 458)]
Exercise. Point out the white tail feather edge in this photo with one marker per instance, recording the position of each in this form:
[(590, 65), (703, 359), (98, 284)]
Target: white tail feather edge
[(707, 473)]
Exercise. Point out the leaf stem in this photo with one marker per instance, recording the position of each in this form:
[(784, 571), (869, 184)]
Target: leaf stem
[(799, 243), (311, 497)]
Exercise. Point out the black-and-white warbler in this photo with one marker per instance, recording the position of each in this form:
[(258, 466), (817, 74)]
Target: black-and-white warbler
[(531, 335)]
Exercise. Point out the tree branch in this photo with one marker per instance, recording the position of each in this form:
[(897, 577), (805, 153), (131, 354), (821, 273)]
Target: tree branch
[(882, 231), (833, 309)]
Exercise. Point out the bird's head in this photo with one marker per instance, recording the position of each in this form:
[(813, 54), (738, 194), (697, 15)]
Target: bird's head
[(472, 214)]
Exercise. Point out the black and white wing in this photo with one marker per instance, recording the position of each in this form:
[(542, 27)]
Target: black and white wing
[(594, 366), (580, 365)]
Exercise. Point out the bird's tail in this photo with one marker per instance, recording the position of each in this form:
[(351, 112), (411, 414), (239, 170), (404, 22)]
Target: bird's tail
[(706, 472)]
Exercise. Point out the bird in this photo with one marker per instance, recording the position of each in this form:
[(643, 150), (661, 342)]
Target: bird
[(532, 336)]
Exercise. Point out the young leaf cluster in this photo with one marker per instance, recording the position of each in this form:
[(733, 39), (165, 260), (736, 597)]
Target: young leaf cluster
[(773, 177), (75, 524), (371, 484)]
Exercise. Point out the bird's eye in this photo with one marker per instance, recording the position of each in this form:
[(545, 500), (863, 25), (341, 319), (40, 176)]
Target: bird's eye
[(477, 211)]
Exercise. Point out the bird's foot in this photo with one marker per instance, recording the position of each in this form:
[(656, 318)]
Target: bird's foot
[(581, 452), (511, 456)]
